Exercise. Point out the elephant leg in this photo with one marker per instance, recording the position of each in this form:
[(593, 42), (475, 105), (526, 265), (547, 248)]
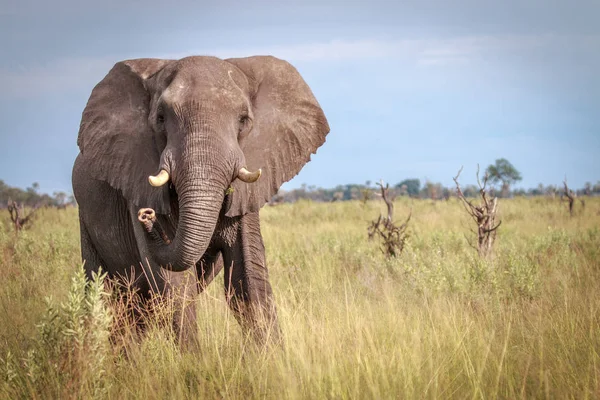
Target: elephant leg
[(208, 267), (247, 286), (181, 293), (178, 289), (89, 255)]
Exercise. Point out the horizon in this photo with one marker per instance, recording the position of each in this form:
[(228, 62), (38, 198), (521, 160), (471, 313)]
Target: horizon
[(373, 185), (411, 91)]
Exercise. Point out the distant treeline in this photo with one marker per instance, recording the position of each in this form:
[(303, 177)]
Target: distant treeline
[(31, 197), (409, 187), (413, 188)]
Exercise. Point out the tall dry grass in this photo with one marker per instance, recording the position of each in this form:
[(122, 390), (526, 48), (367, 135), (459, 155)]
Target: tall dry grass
[(437, 322)]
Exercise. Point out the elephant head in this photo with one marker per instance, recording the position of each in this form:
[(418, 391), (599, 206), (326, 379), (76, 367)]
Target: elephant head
[(207, 126)]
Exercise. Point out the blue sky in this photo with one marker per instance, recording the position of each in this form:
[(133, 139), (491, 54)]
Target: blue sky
[(414, 89)]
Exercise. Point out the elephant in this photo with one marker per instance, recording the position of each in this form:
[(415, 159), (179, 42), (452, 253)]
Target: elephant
[(176, 158)]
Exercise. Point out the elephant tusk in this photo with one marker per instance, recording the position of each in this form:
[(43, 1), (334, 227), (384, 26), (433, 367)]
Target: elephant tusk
[(160, 179), (246, 176)]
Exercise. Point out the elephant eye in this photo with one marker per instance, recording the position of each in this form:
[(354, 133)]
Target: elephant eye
[(160, 114), (245, 126)]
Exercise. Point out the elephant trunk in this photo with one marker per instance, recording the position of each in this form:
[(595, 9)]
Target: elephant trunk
[(200, 182)]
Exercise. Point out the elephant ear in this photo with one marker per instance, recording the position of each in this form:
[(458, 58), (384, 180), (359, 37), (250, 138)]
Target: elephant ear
[(289, 126), (115, 138)]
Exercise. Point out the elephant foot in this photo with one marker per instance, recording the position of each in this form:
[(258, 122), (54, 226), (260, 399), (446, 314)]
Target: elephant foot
[(147, 218)]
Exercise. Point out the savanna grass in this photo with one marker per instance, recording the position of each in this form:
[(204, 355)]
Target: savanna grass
[(437, 322)]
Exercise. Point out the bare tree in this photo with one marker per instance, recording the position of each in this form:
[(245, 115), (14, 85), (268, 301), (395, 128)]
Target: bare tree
[(483, 214), (570, 195), (17, 215), (393, 237)]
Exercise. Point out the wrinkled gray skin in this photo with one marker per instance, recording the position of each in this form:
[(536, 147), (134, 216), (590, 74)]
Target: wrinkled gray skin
[(201, 119)]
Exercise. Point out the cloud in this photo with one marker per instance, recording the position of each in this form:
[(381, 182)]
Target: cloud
[(14, 8), (345, 50), (425, 51), (63, 75), (82, 73)]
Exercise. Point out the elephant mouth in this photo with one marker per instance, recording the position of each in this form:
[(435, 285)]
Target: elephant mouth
[(169, 222), (177, 240), (180, 238), (173, 217), (163, 226)]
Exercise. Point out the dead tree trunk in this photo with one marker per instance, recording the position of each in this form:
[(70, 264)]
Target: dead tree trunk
[(393, 237), (16, 215), (570, 197), (389, 200), (483, 214)]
